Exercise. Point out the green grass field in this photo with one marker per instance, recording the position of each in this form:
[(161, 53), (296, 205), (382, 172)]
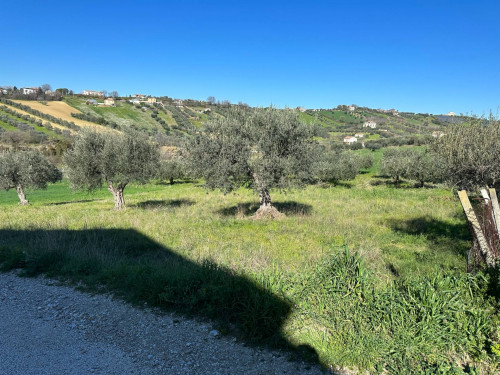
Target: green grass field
[(402, 301), (124, 114)]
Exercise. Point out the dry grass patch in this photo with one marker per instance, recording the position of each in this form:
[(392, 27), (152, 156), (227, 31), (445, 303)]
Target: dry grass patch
[(58, 109)]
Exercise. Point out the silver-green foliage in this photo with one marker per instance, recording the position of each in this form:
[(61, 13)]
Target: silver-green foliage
[(470, 153), (26, 169), (261, 148), (336, 166), (412, 163), (113, 159)]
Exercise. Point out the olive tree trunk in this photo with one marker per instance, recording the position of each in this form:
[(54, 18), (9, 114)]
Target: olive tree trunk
[(265, 198), (22, 196), (117, 195)]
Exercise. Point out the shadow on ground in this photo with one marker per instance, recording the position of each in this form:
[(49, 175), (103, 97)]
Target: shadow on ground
[(164, 203), (176, 182), (138, 269), (289, 208), (69, 202), (441, 234), (402, 184)]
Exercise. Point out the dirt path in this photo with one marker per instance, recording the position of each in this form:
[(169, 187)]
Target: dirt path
[(50, 329)]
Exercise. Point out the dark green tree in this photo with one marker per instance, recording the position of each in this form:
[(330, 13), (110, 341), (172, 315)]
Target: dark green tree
[(26, 169), (259, 148), (113, 159)]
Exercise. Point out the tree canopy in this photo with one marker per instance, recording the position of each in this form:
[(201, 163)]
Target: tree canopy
[(113, 159), (470, 154), (26, 169), (259, 148)]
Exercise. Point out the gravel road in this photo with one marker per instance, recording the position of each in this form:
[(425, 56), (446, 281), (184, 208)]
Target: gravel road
[(46, 328)]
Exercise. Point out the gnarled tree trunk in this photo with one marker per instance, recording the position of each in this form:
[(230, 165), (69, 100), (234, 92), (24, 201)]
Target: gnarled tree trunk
[(266, 209), (118, 195), (22, 196), (265, 198)]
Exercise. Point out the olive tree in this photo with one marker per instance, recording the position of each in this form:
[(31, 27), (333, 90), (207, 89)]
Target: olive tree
[(172, 166), (113, 159), (26, 169), (334, 166), (394, 163), (470, 154), (259, 148), (422, 166)]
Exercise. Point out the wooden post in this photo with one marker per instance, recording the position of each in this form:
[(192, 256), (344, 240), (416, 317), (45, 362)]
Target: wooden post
[(496, 209), (471, 216)]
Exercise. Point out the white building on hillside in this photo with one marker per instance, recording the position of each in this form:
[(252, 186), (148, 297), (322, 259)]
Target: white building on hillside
[(350, 140), (29, 90), (370, 124), (359, 135), (92, 93), (110, 102)]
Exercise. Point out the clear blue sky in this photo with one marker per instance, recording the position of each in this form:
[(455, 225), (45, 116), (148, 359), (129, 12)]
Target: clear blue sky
[(420, 56)]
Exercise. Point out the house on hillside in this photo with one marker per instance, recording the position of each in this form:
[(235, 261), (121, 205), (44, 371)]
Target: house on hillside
[(109, 102), (140, 96), (451, 114), (350, 140), (351, 108), (178, 102), (151, 100), (370, 124), (301, 109), (359, 135), (206, 110), (135, 101), (93, 93), (91, 102), (29, 90)]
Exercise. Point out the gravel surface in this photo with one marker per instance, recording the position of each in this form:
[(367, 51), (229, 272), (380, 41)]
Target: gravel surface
[(46, 328)]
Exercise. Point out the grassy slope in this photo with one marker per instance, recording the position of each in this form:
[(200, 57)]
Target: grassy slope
[(124, 114)]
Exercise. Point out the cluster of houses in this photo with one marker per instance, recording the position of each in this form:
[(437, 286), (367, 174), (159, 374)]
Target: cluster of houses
[(140, 98), (108, 102), (349, 140)]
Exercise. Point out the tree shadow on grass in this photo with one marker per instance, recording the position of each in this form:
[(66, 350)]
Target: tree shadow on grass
[(138, 269), (289, 208), (439, 233), (176, 182), (69, 202), (164, 203)]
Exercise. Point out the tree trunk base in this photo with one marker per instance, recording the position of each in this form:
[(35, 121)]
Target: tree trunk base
[(267, 212), (24, 203)]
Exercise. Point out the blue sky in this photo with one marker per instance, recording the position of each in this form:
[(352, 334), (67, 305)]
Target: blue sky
[(419, 56)]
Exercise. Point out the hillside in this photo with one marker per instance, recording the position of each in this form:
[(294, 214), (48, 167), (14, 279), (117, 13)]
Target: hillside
[(168, 121)]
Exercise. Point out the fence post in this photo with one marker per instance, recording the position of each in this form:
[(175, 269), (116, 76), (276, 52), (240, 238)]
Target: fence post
[(471, 216)]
